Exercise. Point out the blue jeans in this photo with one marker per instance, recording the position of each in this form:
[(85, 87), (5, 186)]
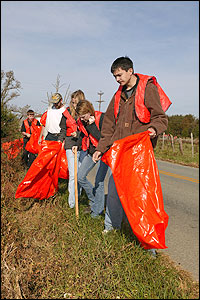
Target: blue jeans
[(114, 210), (95, 194), (71, 183), (82, 155)]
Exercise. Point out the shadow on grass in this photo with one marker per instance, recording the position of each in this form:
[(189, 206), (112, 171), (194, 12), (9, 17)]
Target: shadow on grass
[(63, 190), (128, 232), (84, 198), (63, 186)]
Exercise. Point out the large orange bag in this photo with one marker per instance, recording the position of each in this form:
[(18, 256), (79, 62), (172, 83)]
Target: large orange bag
[(64, 171), (41, 180), (13, 148), (137, 181), (32, 145)]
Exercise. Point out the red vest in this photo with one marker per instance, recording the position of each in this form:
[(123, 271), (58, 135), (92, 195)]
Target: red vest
[(70, 123), (141, 111), (87, 138), (43, 118), (28, 128)]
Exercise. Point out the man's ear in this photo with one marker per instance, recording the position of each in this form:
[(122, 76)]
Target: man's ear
[(130, 71)]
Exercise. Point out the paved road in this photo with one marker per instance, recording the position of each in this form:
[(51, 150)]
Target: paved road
[(180, 186)]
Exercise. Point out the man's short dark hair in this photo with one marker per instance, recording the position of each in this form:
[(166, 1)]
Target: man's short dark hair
[(124, 62), (30, 112)]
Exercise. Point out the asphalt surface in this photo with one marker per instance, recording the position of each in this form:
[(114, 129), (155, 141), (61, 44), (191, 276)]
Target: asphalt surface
[(181, 201), (180, 187)]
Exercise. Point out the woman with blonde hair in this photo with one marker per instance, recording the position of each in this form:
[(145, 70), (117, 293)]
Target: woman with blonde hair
[(72, 138), (90, 123)]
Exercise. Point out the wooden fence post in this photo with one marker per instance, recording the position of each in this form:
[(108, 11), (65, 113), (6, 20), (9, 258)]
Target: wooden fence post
[(192, 144), (163, 140), (180, 145), (172, 142)]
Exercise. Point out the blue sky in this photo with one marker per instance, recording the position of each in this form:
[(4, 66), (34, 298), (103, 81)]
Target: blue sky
[(79, 40)]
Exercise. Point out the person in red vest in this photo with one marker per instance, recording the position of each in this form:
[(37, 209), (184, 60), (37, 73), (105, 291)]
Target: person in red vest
[(90, 123), (138, 105), (71, 136), (26, 130)]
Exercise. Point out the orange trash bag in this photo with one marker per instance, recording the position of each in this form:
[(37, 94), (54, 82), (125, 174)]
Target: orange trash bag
[(13, 148), (32, 145), (41, 180), (137, 181)]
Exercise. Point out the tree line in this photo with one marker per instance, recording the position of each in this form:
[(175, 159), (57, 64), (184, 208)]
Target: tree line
[(178, 125), (183, 126)]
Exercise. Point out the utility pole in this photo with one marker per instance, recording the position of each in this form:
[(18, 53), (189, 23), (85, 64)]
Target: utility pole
[(100, 101)]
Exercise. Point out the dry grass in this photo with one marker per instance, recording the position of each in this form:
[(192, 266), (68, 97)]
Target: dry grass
[(47, 253)]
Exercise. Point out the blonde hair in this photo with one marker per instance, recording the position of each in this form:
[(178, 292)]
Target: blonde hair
[(84, 107), (79, 95)]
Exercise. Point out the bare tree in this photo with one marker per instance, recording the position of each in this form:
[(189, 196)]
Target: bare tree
[(57, 87), (57, 84), (21, 112), (9, 87)]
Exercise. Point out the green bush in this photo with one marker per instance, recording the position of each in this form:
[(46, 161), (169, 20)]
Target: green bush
[(9, 124)]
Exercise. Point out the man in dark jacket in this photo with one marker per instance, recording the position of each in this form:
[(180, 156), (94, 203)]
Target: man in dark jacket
[(125, 120)]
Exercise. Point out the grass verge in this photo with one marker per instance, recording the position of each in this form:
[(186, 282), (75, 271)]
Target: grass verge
[(175, 156), (47, 253)]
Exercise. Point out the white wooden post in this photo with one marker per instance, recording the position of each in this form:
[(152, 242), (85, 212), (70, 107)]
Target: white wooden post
[(180, 145), (172, 142), (163, 140), (192, 144)]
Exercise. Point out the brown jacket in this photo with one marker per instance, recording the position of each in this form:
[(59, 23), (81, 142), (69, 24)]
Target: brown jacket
[(128, 123)]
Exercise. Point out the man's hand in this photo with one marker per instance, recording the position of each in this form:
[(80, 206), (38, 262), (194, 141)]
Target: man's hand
[(152, 132), (39, 140), (28, 135), (96, 156), (74, 148), (74, 134)]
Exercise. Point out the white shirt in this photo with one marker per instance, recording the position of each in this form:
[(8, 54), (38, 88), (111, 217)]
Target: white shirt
[(53, 119)]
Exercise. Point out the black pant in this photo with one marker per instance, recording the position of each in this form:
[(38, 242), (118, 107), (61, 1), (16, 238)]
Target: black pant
[(51, 136), (27, 157)]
